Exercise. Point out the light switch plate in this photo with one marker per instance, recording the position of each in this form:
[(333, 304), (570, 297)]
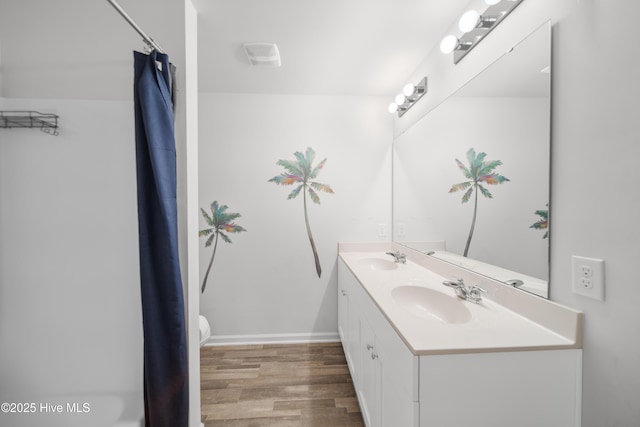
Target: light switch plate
[(587, 276)]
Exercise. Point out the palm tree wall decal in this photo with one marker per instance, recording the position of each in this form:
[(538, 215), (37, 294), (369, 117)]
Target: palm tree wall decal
[(478, 173), (220, 222), (543, 222), (301, 172)]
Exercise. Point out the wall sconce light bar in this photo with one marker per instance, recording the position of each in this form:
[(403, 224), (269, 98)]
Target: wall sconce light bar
[(452, 43), (409, 96), (476, 26)]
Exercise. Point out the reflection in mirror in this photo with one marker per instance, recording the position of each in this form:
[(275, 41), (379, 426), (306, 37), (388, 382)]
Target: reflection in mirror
[(471, 178)]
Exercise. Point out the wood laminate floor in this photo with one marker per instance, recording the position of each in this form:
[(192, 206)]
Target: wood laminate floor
[(290, 385)]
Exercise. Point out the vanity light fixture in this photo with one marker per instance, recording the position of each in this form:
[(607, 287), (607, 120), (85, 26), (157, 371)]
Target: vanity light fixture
[(468, 20), (451, 43), (472, 20), (409, 96), (475, 27)]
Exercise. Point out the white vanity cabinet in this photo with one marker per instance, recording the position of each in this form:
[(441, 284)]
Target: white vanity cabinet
[(349, 327), (343, 315), (501, 389), (384, 371), (398, 386)]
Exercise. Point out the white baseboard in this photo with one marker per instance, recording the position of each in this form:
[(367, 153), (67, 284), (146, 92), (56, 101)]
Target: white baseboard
[(273, 338)]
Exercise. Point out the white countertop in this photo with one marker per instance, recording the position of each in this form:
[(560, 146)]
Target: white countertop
[(493, 326)]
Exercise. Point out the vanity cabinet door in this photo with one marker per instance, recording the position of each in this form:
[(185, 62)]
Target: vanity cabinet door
[(397, 381), (370, 385), (353, 344), (349, 332), (349, 320), (343, 316), (385, 400)]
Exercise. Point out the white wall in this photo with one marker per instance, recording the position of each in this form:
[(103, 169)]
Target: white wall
[(264, 282), (80, 49), (594, 201), (91, 58), (595, 133), (70, 310)]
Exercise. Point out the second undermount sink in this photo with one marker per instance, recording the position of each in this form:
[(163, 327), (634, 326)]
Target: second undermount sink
[(431, 304), (379, 263)]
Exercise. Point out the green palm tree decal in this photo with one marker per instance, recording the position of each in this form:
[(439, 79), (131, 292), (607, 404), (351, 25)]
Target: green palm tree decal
[(301, 172), (543, 222), (220, 222), (478, 173)]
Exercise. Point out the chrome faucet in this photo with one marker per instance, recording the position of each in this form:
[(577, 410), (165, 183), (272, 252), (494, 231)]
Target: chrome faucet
[(473, 294), (398, 256)]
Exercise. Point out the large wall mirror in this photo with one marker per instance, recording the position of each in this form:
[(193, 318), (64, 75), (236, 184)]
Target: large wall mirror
[(471, 178)]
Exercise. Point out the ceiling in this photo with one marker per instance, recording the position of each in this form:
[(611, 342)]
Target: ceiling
[(82, 48), (345, 47)]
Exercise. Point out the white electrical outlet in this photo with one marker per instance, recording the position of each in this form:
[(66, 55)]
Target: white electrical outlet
[(588, 277)]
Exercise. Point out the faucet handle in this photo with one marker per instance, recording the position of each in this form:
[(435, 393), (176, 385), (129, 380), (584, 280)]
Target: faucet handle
[(455, 282), (475, 293)]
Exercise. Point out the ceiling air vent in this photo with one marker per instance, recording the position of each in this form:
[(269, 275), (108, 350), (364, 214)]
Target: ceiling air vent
[(262, 54)]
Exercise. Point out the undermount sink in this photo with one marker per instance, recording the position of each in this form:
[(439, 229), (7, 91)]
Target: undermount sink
[(379, 263), (431, 304)]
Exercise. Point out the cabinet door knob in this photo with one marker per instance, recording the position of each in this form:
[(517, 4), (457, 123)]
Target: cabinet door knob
[(374, 356), (344, 294), (369, 346)]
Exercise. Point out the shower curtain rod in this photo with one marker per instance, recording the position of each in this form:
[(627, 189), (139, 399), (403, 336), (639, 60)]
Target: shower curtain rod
[(148, 40)]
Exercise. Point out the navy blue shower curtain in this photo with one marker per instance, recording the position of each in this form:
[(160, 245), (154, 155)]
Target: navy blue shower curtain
[(165, 350)]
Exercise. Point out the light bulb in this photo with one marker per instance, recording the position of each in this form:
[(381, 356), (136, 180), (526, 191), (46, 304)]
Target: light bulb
[(400, 99), (468, 21), (492, 2), (393, 107), (448, 44), (408, 89)]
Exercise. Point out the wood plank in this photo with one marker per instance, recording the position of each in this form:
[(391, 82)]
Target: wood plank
[(277, 385)]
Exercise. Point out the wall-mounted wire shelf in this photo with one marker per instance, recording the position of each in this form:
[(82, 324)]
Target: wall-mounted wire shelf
[(47, 123)]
